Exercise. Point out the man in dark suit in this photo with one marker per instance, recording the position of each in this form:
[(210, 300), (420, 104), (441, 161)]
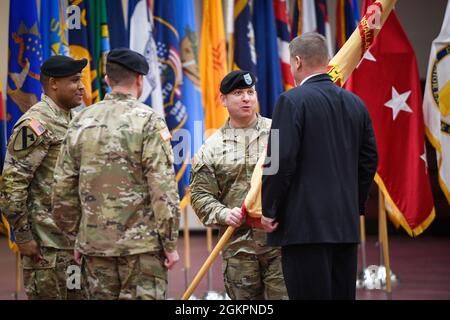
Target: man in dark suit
[(327, 159)]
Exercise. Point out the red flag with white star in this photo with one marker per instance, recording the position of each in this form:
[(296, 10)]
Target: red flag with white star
[(387, 79)]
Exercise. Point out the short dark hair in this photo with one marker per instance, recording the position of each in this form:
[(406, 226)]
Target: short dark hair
[(311, 47), (119, 75)]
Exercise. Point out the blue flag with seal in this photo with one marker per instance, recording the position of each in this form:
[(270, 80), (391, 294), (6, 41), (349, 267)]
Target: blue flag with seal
[(177, 49), (25, 59), (268, 69), (54, 41)]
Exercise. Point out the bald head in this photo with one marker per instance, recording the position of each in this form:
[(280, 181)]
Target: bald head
[(309, 55)]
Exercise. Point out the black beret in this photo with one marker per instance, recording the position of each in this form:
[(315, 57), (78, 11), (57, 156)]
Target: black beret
[(238, 79), (62, 66), (129, 59)]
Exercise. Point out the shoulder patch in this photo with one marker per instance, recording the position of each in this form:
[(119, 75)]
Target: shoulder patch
[(37, 127), (165, 134), (25, 138)]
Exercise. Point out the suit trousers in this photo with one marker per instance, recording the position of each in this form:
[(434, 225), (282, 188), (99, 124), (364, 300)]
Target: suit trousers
[(320, 271)]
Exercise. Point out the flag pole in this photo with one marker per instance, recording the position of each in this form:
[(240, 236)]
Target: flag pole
[(209, 247), (230, 27), (362, 225), (187, 253), (215, 252), (211, 294), (361, 275), (18, 277), (384, 242)]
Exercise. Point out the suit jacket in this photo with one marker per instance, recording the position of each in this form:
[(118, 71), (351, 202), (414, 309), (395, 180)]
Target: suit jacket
[(327, 160)]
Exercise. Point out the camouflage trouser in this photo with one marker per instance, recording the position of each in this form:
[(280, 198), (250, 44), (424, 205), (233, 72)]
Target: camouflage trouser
[(139, 276), (255, 277), (48, 279)]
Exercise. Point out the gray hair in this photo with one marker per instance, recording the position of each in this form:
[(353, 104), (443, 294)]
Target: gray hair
[(311, 47)]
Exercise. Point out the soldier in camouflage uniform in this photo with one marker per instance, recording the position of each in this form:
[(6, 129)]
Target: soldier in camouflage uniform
[(28, 180), (115, 190), (219, 181)]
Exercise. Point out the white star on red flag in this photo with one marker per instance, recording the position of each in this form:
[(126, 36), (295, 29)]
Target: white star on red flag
[(398, 102), (367, 56), (424, 158)]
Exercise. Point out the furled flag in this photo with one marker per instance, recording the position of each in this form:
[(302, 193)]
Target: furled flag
[(81, 46), (244, 54), (283, 35), (177, 48), (118, 35), (98, 24), (347, 18), (436, 102), (140, 24), (312, 15), (25, 58), (213, 63), (53, 35), (269, 85), (396, 110)]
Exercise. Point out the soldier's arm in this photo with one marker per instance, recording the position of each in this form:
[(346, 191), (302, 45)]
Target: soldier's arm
[(26, 150), (157, 158), (65, 201), (204, 192)]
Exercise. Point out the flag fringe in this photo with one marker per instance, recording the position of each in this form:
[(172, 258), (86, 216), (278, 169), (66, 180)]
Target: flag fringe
[(12, 245), (186, 199), (397, 216), (437, 145)]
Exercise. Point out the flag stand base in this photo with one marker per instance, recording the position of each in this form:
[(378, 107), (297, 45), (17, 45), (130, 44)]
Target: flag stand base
[(213, 295), (374, 277)]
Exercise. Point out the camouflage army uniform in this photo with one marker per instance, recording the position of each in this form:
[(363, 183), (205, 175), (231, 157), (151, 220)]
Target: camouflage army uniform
[(220, 179), (26, 198), (115, 192)]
